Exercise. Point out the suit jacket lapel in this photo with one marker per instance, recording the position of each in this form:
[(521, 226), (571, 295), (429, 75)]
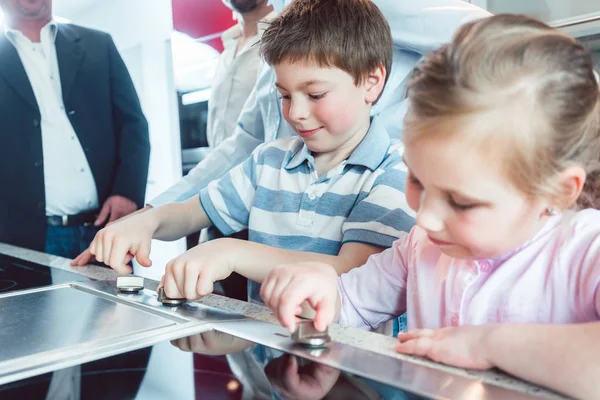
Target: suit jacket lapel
[(13, 71), (69, 54)]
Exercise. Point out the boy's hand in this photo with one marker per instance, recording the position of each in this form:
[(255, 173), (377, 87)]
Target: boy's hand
[(288, 286), (118, 243), (462, 347), (192, 275)]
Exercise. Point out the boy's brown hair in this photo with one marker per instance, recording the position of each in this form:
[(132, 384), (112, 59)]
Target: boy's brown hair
[(352, 35)]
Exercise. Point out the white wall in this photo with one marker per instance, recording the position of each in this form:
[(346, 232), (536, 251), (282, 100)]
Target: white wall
[(142, 30)]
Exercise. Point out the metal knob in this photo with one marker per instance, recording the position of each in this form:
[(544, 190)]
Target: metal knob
[(130, 284), (167, 301), (307, 335)]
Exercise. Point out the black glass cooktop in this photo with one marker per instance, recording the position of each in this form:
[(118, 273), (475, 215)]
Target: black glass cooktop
[(211, 365), (17, 274)]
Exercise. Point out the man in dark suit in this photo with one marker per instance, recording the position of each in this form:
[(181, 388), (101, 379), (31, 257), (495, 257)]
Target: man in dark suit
[(74, 145)]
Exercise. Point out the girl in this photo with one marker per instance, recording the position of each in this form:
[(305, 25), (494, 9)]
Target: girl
[(502, 142)]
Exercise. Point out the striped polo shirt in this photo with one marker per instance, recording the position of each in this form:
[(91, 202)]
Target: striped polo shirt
[(277, 195)]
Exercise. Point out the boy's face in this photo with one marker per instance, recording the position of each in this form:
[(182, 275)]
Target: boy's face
[(324, 106)]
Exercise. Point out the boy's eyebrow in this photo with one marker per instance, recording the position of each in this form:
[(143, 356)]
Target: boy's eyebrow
[(303, 85)]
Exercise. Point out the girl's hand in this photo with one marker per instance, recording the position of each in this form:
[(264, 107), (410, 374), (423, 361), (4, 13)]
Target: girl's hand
[(288, 286), (462, 347), (192, 275)]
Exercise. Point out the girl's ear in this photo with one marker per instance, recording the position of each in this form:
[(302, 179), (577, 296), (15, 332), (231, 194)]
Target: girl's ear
[(374, 84), (571, 179)]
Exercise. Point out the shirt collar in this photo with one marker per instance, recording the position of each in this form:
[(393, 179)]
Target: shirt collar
[(302, 154), (50, 29), (369, 153), (548, 226), (229, 36)]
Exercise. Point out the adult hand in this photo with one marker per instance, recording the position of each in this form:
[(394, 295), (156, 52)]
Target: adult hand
[(114, 208), (461, 347), (87, 257)]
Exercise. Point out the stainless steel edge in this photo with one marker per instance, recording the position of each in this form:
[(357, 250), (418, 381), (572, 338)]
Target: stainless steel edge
[(47, 362), (419, 379)]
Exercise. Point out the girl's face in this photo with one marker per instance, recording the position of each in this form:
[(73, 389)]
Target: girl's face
[(465, 203)]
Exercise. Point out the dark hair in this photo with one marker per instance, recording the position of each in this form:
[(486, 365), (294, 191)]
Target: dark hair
[(538, 81), (352, 35)]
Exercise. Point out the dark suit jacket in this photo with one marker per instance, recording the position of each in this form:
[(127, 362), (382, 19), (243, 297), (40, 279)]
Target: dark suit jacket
[(105, 112)]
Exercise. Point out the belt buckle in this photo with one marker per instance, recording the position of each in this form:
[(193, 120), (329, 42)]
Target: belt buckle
[(64, 220)]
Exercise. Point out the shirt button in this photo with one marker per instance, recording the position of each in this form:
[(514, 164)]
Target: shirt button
[(36, 122), (312, 196), (82, 170), (454, 320), (37, 163), (485, 266)]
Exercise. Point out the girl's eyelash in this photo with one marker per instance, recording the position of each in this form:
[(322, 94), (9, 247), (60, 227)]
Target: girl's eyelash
[(461, 207), (317, 96), (414, 181)]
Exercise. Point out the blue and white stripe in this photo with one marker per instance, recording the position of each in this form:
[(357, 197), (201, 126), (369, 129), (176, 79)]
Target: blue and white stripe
[(277, 195)]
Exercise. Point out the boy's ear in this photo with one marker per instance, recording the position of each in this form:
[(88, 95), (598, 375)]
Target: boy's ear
[(572, 180), (374, 84)]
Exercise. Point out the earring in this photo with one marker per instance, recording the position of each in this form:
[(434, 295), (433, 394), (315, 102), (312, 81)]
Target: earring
[(551, 211)]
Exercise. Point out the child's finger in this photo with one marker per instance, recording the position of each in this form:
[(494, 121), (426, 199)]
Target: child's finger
[(96, 247), (292, 297), (170, 282), (278, 289), (267, 288), (205, 285), (143, 254), (325, 313), (419, 347), (118, 255), (415, 334), (190, 280)]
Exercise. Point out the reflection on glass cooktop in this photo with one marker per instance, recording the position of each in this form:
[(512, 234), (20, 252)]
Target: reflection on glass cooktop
[(210, 365), (17, 274)]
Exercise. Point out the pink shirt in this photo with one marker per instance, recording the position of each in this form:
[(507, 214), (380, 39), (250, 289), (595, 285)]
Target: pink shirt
[(554, 278)]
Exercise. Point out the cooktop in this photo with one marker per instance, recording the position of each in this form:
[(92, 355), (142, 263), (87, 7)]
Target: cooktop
[(210, 365), (17, 274)]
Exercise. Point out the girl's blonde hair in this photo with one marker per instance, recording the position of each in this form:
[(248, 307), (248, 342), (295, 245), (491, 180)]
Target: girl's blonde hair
[(540, 86)]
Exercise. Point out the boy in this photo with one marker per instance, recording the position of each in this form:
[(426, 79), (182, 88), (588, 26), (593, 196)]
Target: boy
[(333, 194)]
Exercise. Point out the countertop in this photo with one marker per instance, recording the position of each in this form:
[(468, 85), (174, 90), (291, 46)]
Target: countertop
[(366, 340)]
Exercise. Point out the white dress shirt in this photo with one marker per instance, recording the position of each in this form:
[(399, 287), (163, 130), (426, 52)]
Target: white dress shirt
[(235, 78), (69, 185)]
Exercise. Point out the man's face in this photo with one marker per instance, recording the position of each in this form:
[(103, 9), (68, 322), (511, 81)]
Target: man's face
[(24, 10), (243, 6)]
